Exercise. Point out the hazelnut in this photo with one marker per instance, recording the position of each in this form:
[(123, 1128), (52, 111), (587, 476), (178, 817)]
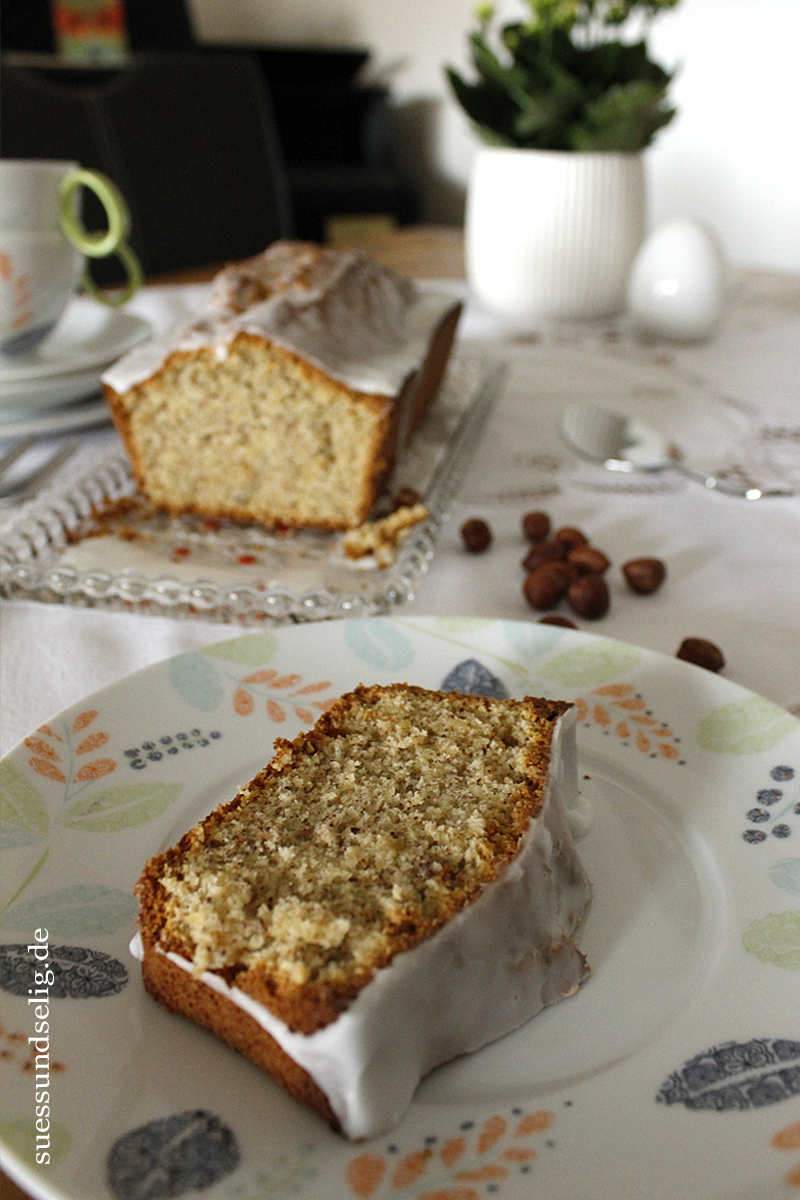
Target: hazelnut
[(570, 537), (644, 575), (588, 559), (589, 597), (557, 619), (545, 586), (544, 552), (406, 497), (702, 653), (536, 526), (476, 535)]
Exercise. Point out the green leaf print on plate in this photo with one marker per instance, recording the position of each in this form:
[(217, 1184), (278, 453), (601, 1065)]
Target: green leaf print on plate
[(379, 643), (251, 650), (786, 875), (20, 1134), (594, 664), (110, 809), (775, 938), (197, 681), (745, 727), (23, 812), (83, 908), (461, 625)]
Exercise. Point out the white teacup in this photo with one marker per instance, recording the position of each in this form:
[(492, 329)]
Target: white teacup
[(43, 246)]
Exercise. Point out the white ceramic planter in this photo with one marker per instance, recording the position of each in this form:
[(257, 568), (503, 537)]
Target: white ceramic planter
[(552, 235)]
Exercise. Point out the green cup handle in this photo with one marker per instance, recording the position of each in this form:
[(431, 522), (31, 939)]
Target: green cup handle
[(100, 245)]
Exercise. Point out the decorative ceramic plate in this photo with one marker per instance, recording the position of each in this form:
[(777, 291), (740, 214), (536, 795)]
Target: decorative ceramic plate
[(222, 571), (675, 1071)]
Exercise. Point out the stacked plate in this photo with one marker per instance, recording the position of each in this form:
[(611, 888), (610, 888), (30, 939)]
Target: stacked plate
[(56, 386)]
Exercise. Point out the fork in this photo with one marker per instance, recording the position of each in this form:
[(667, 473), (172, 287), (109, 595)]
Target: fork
[(32, 481), (16, 451)]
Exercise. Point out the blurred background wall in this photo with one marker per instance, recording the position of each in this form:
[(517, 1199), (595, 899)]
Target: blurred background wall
[(731, 157)]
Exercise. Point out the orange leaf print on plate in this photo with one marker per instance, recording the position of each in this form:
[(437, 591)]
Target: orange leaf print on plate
[(42, 750), (450, 1193), (260, 676), (286, 681), (479, 1159), (452, 1151), (789, 1139), (520, 1154), (43, 766), (93, 742), (411, 1168), (364, 1174), (313, 687), (492, 1131), (617, 690), (95, 769), (48, 732), (487, 1174), (57, 764), (83, 719), (619, 708), (536, 1122), (281, 693), (243, 702)]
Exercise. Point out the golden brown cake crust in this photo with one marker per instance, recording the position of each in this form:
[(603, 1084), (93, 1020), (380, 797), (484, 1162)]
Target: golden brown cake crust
[(181, 992), (307, 1003)]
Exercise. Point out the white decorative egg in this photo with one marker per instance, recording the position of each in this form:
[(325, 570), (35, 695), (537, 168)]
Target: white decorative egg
[(678, 283)]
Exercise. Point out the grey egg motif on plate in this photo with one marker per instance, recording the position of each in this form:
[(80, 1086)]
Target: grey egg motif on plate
[(473, 677), (171, 1156), (736, 1076), (70, 972)]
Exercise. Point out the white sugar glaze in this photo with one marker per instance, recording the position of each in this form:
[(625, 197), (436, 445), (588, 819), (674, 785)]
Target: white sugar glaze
[(487, 971), (363, 325)]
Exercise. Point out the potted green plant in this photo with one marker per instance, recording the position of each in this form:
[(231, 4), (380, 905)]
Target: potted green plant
[(565, 102)]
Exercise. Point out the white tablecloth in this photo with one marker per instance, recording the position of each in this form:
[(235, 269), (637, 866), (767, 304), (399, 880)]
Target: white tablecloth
[(733, 565)]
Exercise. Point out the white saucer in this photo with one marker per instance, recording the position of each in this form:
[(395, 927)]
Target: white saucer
[(82, 415), (87, 338), (37, 395)]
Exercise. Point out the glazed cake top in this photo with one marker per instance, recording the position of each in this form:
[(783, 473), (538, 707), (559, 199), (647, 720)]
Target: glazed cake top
[(359, 322)]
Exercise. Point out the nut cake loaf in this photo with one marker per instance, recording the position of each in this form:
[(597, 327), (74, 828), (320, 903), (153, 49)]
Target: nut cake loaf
[(290, 398), (397, 887)]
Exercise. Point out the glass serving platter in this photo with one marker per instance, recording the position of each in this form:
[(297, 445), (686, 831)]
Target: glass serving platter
[(99, 546)]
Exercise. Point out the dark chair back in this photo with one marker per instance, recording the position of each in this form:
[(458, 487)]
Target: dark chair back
[(189, 138)]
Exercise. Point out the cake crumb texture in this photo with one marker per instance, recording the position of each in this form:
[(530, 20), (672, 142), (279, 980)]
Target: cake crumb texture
[(291, 396), (258, 434), (359, 840)]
